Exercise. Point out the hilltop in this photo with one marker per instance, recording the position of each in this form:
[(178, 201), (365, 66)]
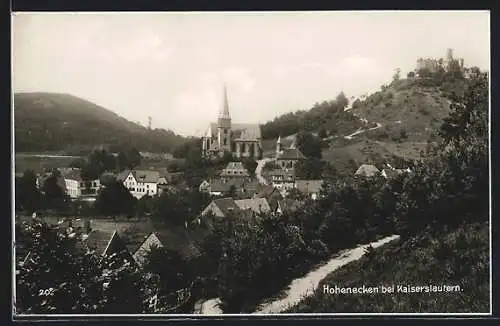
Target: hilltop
[(66, 123)]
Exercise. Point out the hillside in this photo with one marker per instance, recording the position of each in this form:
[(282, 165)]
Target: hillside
[(415, 107), (458, 258), (65, 123), (328, 116), (403, 117)]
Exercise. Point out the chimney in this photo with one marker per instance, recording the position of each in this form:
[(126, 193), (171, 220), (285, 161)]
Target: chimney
[(86, 226)]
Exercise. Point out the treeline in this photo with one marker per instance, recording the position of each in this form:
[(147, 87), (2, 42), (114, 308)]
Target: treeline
[(327, 118), (62, 122)]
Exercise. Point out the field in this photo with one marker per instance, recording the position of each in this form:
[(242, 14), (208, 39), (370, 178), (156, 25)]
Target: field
[(23, 162)]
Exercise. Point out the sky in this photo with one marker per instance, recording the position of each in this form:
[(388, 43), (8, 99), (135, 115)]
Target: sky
[(173, 66)]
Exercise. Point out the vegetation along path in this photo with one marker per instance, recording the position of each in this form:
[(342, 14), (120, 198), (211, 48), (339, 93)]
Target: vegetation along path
[(302, 287)]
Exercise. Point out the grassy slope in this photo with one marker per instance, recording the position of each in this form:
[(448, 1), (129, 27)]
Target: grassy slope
[(62, 122), (405, 105), (460, 257)]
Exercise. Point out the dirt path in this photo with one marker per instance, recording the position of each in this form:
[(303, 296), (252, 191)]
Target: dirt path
[(306, 285), (258, 170)]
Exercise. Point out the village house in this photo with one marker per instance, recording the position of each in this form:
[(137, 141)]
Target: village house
[(235, 169), (271, 194), (311, 188), (287, 158), (288, 205), (142, 182), (282, 179), (177, 240), (224, 207), (367, 170), (236, 187), (76, 187)]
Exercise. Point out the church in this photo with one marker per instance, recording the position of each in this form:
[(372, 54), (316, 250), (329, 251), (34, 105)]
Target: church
[(223, 136)]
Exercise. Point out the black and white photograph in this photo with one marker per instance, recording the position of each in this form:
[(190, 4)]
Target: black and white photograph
[(251, 163)]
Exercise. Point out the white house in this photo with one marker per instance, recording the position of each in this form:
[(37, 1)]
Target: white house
[(283, 180), (76, 187), (142, 182)]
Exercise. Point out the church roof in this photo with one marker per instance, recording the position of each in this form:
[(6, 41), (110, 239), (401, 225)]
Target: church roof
[(240, 131)]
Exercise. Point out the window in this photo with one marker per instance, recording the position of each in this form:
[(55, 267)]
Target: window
[(147, 186), (225, 141)]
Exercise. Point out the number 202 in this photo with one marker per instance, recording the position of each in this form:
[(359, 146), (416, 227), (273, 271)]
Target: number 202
[(48, 291)]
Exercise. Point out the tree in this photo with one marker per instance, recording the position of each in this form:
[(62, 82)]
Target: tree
[(90, 171), (322, 133), (78, 163), (115, 199), (105, 160), (310, 168), (342, 100), (250, 164), (61, 276), (28, 197), (411, 75), (122, 161), (397, 75), (309, 145), (171, 268), (134, 158)]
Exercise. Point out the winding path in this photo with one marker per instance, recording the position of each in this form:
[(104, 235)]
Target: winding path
[(303, 286), (260, 166)]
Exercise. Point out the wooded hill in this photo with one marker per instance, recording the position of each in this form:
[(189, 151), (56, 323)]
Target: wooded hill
[(66, 123)]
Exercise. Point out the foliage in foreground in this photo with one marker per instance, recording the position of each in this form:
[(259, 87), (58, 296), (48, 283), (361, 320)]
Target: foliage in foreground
[(457, 258), (61, 276)]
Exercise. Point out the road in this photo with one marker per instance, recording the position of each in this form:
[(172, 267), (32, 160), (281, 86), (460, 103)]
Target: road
[(303, 286), (260, 166)]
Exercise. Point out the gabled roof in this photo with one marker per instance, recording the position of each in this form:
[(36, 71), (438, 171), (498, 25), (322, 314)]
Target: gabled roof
[(235, 166), (149, 176), (99, 240), (71, 174), (257, 205), (291, 154), (289, 205), (123, 175), (309, 186), (226, 205), (246, 131), (240, 131), (367, 170), (177, 239)]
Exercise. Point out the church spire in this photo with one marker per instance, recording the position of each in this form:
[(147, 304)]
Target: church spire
[(224, 113)]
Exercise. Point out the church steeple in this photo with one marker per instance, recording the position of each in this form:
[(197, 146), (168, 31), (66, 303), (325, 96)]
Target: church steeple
[(224, 113)]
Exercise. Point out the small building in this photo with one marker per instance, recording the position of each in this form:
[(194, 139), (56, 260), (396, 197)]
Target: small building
[(76, 187), (367, 170), (311, 188), (221, 207), (282, 179), (235, 169), (105, 242), (175, 240), (224, 207), (271, 194), (256, 205), (288, 205), (141, 182)]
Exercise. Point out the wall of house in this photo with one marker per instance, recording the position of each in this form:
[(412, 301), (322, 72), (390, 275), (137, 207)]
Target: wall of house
[(140, 189), (141, 252)]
